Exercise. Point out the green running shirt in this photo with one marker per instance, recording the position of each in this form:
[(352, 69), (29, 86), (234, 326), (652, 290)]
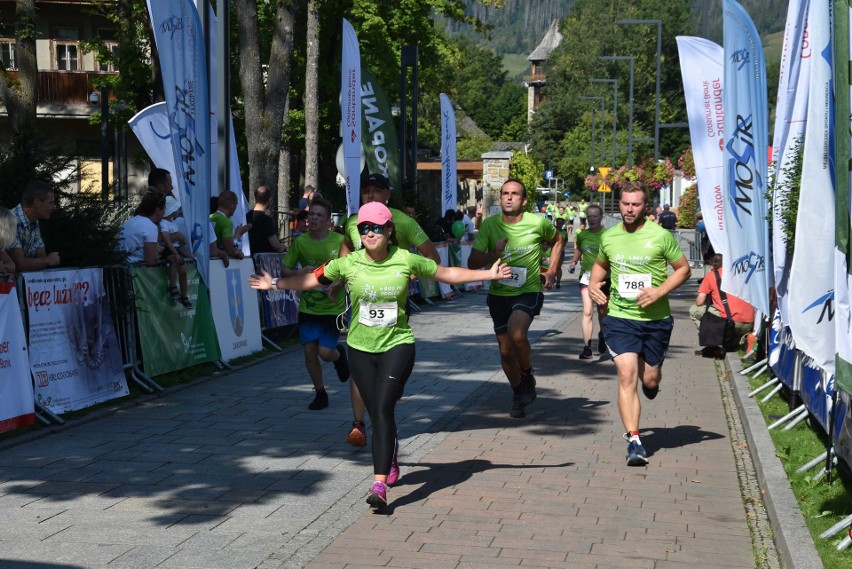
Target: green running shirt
[(523, 250), (312, 253), (646, 251), (379, 292)]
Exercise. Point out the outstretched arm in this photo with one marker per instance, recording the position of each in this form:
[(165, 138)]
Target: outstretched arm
[(298, 281), (459, 275)]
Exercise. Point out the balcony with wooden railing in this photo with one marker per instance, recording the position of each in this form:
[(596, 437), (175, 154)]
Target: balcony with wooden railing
[(535, 78), (64, 87)]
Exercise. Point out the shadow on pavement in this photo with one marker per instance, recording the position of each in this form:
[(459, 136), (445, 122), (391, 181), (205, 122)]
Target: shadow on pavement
[(656, 438), (435, 477)]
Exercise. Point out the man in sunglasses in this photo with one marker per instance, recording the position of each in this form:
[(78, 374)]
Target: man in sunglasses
[(408, 234), (516, 238)]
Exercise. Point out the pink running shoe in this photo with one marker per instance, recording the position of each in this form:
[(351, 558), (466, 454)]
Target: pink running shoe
[(393, 475), (378, 496)]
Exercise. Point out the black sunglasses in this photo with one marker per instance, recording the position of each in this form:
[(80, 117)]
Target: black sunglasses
[(366, 227)]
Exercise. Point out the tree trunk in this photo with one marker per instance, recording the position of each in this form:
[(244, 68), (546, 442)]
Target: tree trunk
[(312, 94), (283, 203), (265, 100), (20, 97)]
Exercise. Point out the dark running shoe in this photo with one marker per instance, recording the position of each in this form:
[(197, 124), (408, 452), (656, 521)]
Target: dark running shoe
[(319, 402), (587, 352), (517, 409), (601, 343), (378, 496), (636, 455), (527, 389), (358, 435), (650, 393), (341, 366)]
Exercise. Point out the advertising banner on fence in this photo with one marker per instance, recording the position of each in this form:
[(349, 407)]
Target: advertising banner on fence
[(16, 388), (279, 307), (746, 148), (172, 337), (74, 354), (236, 316)]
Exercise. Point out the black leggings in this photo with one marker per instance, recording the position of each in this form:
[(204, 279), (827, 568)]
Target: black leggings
[(381, 380)]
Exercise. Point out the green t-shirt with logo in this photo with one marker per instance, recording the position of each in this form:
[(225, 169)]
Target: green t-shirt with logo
[(408, 231), (646, 251), (588, 242), (523, 250), (310, 252), (222, 225), (379, 291)]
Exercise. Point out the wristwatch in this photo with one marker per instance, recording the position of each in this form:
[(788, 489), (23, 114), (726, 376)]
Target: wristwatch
[(275, 283)]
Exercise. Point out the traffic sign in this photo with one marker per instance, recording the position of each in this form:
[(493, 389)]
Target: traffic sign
[(604, 187), (548, 174), (604, 171)]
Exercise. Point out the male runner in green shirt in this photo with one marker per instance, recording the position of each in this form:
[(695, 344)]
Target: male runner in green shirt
[(408, 233), (639, 324), (516, 237), (318, 312), (586, 246)]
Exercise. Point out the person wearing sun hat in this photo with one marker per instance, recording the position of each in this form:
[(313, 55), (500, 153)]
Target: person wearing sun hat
[(380, 341), (376, 189)]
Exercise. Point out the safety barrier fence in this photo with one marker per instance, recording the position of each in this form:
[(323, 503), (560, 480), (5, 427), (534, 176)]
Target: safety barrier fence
[(72, 338), (813, 395)]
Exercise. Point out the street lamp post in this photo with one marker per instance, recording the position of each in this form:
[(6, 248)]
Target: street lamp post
[(614, 114), (601, 99), (659, 24), (632, 61)]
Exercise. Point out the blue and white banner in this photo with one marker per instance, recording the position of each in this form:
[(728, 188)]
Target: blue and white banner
[(151, 127), (183, 62), (701, 66), (811, 283), (745, 166), (449, 179), (350, 109), (791, 110)]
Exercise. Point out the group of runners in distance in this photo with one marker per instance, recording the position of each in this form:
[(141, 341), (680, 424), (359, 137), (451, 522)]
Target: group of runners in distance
[(624, 272)]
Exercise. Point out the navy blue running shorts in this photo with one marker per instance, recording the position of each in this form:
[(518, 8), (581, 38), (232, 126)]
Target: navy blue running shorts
[(649, 339), (320, 328), (501, 307)]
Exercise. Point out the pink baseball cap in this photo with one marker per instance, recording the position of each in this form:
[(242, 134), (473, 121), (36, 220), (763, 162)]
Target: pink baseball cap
[(374, 212)]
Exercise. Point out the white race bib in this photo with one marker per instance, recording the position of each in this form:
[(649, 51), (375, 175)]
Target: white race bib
[(382, 314), (517, 279), (629, 286), (584, 280)]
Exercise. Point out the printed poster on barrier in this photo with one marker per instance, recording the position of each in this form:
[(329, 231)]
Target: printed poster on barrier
[(172, 337), (236, 316), (74, 353), (16, 390), (280, 307)]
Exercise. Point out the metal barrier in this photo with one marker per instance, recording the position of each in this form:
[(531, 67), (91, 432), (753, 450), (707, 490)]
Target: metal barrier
[(119, 287), (690, 242)]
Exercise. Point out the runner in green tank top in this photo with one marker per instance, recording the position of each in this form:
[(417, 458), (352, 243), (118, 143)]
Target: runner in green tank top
[(516, 238), (586, 245), (381, 344), (318, 311), (639, 325)]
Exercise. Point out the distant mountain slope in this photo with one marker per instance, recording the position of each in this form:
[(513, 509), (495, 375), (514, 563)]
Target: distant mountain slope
[(520, 25)]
